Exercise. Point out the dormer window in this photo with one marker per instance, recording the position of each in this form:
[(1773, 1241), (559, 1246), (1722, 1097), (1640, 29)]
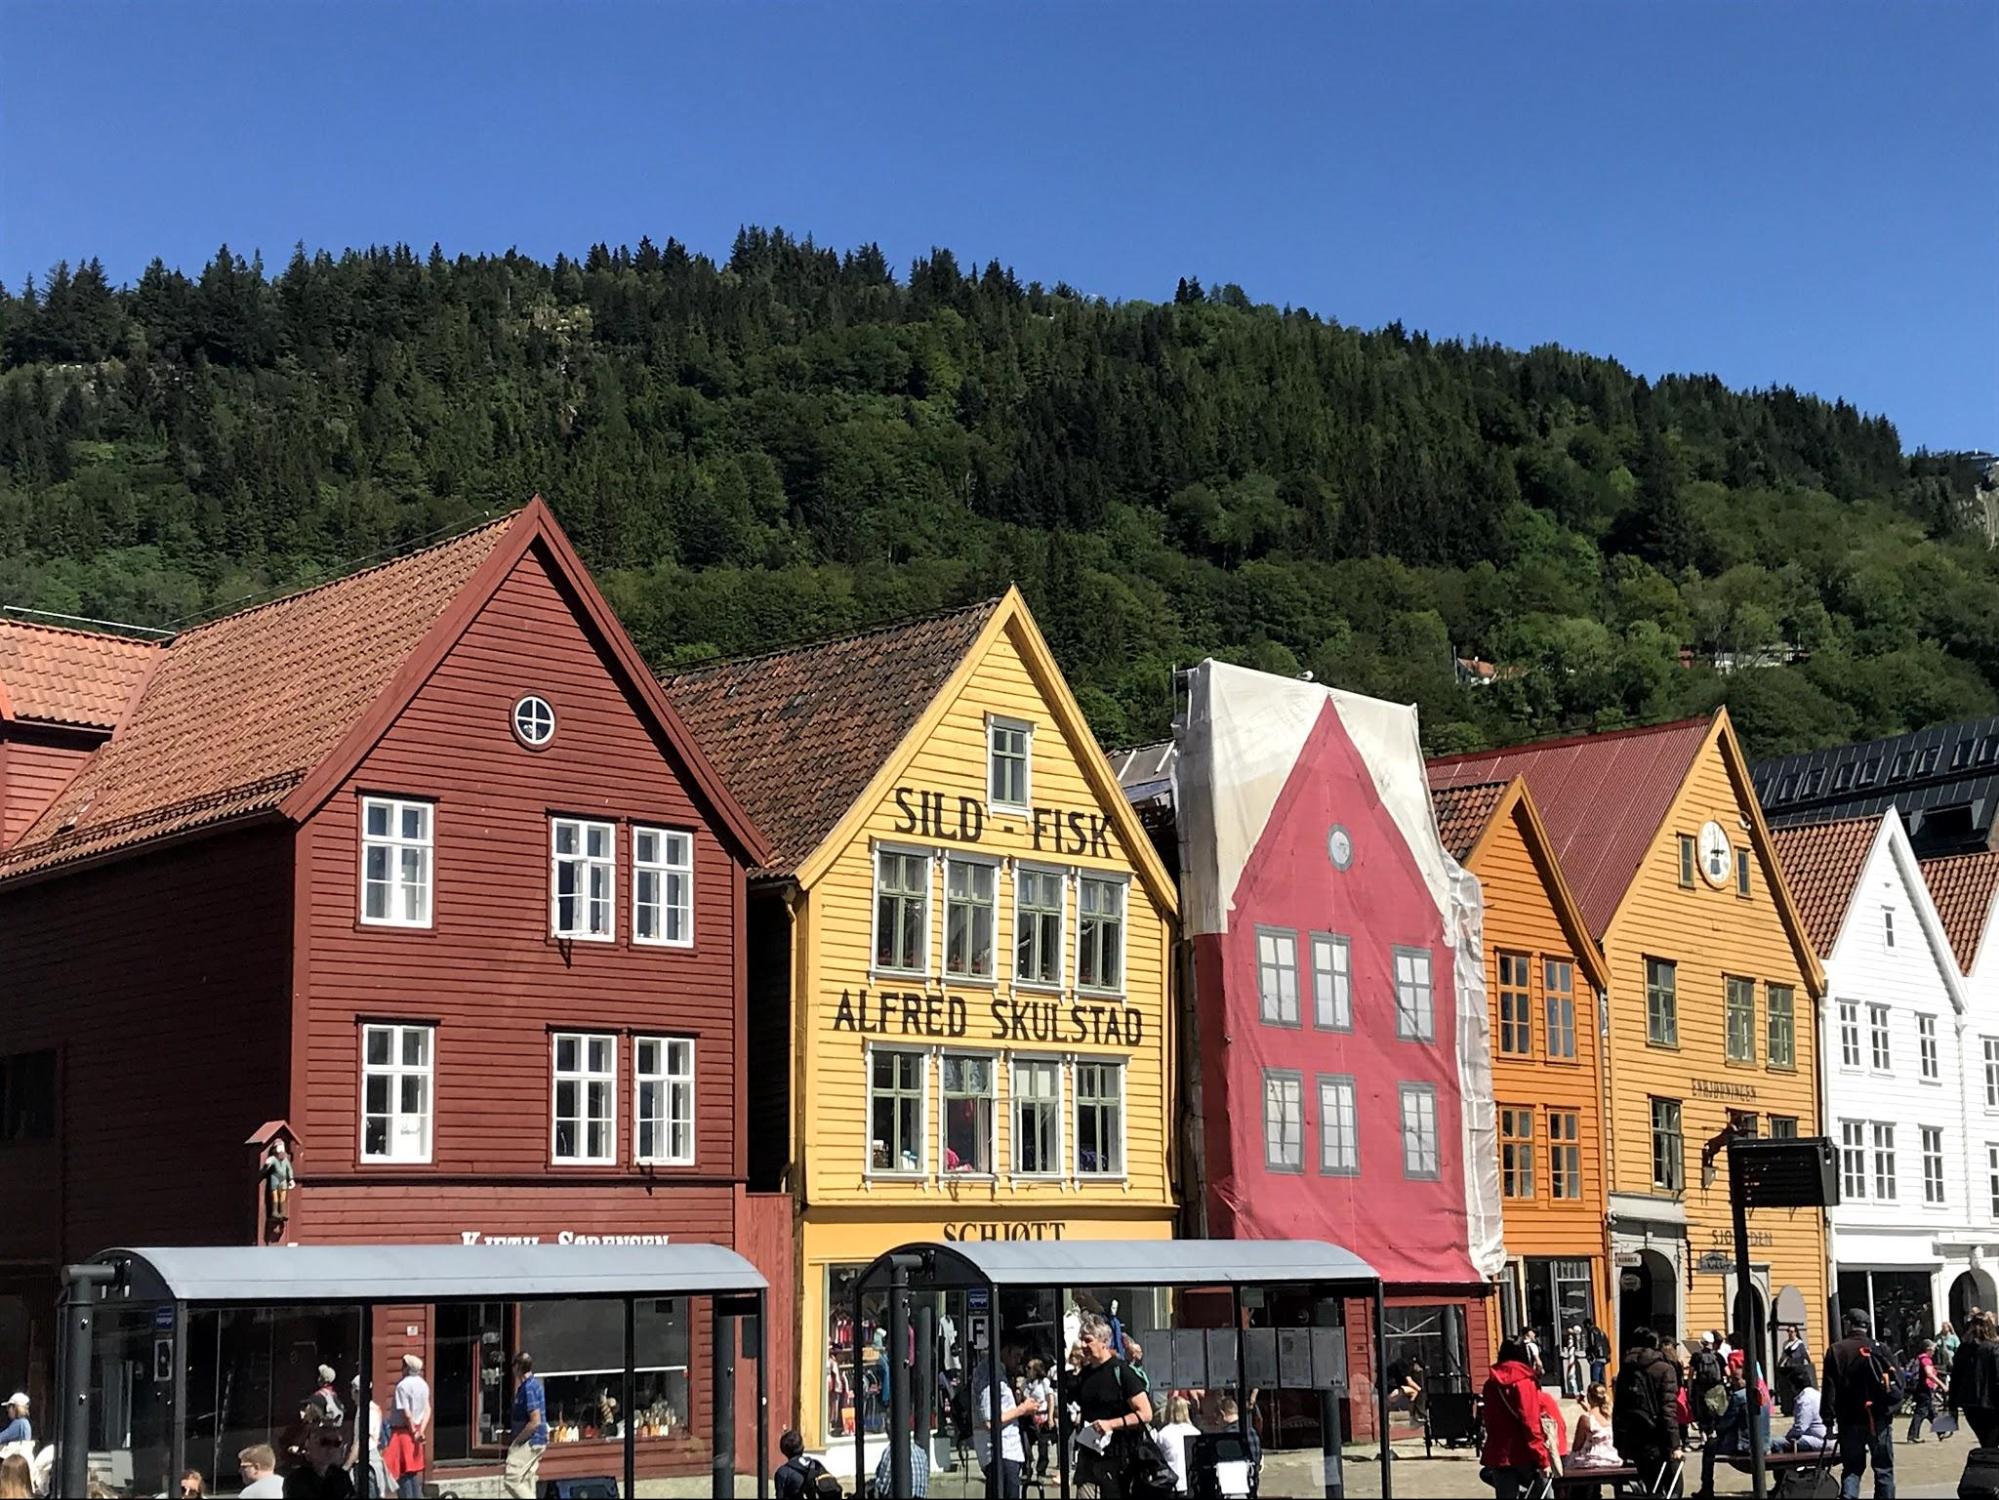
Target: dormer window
[(1903, 761), (1929, 761)]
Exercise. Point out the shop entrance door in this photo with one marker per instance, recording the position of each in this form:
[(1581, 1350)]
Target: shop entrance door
[(469, 1386)]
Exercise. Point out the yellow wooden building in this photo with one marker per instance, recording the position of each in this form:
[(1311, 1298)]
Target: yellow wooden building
[(1713, 995), (959, 1016)]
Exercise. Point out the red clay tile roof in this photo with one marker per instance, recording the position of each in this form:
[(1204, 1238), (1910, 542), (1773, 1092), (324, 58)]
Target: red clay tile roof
[(240, 710), (74, 677), (798, 734), (1463, 811), (1601, 796), (1962, 886), (1822, 863)]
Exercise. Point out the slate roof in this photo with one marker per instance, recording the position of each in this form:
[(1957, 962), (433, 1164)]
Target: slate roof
[(240, 710), (1463, 811), (1962, 886), (79, 678), (1822, 864), (1944, 780), (1145, 772), (798, 734), (1601, 796)]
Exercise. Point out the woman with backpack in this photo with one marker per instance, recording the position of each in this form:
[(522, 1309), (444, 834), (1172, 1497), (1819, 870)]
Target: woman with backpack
[(1924, 1386), (1974, 1379)]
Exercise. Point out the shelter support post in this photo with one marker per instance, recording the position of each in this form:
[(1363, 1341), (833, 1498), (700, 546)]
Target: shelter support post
[(631, 1395), (925, 1393), (895, 1366), (1381, 1391), (860, 1420), (177, 1400), (763, 1398), (722, 1329), (1331, 1434), (364, 1371), (1751, 1335), (79, 1285), (1064, 1426)]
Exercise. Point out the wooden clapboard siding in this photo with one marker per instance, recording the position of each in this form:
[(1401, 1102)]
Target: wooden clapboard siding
[(36, 762)]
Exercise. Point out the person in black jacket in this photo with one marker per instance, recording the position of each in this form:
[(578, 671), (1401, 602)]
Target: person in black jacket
[(1974, 1379), (1644, 1420), (1860, 1393)]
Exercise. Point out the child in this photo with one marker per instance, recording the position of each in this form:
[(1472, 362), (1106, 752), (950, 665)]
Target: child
[(1041, 1391)]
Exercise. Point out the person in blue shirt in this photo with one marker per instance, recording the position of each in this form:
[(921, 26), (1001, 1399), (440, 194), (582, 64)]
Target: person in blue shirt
[(1729, 1435), (529, 1430), (17, 1429), (919, 1471)]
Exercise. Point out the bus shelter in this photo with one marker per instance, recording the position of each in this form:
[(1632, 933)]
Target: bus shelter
[(162, 1345), (1234, 1318)]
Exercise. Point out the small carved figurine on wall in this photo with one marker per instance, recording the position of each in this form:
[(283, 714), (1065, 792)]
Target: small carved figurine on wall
[(279, 1180)]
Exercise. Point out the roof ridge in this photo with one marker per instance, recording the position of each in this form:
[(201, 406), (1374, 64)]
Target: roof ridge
[(1595, 737), (1808, 824), (740, 659), (18, 623)]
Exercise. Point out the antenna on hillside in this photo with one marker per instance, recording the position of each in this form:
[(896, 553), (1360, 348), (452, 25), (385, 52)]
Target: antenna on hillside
[(50, 614)]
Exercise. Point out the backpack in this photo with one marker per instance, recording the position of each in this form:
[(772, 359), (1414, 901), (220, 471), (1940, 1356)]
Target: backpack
[(1714, 1400), (1635, 1419), (1708, 1370), (824, 1485)]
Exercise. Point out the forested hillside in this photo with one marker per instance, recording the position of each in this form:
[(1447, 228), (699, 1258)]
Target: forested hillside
[(799, 442)]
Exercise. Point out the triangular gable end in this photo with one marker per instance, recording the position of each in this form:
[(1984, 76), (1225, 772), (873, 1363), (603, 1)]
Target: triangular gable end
[(1518, 802), (534, 526), (1894, 837)]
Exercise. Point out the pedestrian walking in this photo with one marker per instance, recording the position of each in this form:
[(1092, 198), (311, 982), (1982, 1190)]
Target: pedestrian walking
[(1644, 1420), (1575, 1362), (1530, 1346), (1709, 1371), (1924, 1388), (1599, 1354), (1860, 1389), (409, 1430), (1515, 1455), (527, 1435)]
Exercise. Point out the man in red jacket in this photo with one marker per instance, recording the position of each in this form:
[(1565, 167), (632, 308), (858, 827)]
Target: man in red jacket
[(1515, 1455)]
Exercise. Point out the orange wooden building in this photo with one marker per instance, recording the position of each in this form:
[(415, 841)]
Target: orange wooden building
[(1544, 985)]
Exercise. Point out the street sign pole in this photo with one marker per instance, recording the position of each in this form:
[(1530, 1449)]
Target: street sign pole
[(1752, 1357)]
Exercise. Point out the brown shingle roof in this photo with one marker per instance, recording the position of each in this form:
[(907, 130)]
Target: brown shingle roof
[(240, 710), (73, 677), (1962, 886), (1822, 863), (1601, 796), (798, 734), (1463, 811)]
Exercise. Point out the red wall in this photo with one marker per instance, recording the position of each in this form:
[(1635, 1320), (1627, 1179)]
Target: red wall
[(35, 763)]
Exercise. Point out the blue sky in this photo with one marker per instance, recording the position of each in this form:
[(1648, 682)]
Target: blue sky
[(1795, 193)]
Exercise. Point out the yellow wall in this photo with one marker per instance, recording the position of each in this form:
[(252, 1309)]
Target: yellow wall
[(1711, 934)]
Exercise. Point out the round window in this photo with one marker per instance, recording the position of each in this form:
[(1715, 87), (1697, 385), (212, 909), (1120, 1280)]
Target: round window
[(534, 721), (1339, 846)]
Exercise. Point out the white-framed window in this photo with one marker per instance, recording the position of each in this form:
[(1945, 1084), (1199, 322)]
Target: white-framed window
[(1992, 1177), (1849, 1034), (967, 1117), (663, 1099), (1037, 1117), (902, 911), (1415, 1009), (1040, 898), (396, 1074), (395, 862), (1879, 1051), (1332, 982), (584, 886), (1099, 1119), (586, 1097), (1283, 1120), (1853, 1158), (898, 1098), (1991, 1071), (1099, 933), (971, 917), (663, 887), (1419, 1131), (1009, 764), (1339, 1126), (1888, 926), (1932, 1164), (1884, 1161), (534, 721), (1277, 975), (1926, 1048)]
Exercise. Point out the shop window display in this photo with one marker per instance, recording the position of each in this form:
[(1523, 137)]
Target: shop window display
[(578, 1350)]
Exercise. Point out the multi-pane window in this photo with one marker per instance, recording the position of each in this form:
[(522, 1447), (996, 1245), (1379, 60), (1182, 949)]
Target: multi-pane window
[(1884, 1160), (1932, 1164), (1741, 871), (663, 1101), (1668, 1147), (1687, 860), (586, 1100), (1516, 1151), (1283, 1121), (1853, 1158), (1783, 1127), (1037, 943), (1332, 982), (1099, 933), (662, 886), (1849, 1034), (585, 878), (895, 1111), (1888, 926), (1926, 1048), (1099, 1119), (1781, 1042), (1037, 1117), (1991, 1072), (1516, 1004), (1565, 1154), (971, 917), (395, 1093), (902, 911), (1877, 1038), (1741, 1019), (1419, 1130), (1339, 1127), (1415, 1011), (1558, 984), (967, 1090), (395, 862), (1009, 759), (1662, 1002), (1992, 1177), (1277, 975)]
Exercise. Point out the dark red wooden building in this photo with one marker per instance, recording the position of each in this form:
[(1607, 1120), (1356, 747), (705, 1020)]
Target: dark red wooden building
[(420, 866)]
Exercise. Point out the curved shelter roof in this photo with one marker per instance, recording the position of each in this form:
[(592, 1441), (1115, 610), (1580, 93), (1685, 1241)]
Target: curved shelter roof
[(1086, 1263)]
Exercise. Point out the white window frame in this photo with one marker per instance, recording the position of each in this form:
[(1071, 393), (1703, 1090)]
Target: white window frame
[(972, 905), (1853, 1159), (1121, 886), (1415, 1015), (1992, 1176), (586, 865), (1018, 1099), (1284, 1121), (1118, 1068), (660, 871), (944, 1097), (582, 1077), (675, 1089), (1880, 1040), (1929, 1067), (1888, 926), (1332, 981), (1277, 959), (1061, 950), (1849, 1034), (1931, 1138), (1991, 1073), (395, 843), (996, 725), (1885, 1171), (1413, 1150), (1339, 1098), (922, 1133), (395, 1070), (929, 860)]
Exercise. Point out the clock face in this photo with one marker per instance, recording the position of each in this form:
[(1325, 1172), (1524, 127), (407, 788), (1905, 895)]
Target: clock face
[(1339, 846), (1717, 854)]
